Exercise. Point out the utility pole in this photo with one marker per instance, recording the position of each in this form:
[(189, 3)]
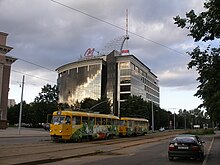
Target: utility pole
[(20, 114), (174, 117), (152, 111)]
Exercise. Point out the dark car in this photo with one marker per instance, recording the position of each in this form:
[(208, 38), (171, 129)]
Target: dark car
[(186, 146), (46, 126)]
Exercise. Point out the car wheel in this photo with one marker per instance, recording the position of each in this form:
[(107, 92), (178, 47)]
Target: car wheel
[(201, 157), (171, 158)]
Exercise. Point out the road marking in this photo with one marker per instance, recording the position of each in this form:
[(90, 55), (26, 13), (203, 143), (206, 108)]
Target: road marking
[(207, 155)]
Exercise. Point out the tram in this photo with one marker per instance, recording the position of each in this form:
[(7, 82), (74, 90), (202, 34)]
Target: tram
[(133, 126), (79, 126)]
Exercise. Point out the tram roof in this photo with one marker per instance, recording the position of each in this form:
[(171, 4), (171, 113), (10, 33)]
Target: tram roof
[(86, 114), (133, 118)]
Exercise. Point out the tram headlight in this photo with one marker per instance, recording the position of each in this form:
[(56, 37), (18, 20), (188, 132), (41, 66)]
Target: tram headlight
[(50, 130), (60, 131)]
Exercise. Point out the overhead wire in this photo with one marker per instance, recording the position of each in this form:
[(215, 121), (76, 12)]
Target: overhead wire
[(33, 76), (36, 64), (98, 19), (121, 28)]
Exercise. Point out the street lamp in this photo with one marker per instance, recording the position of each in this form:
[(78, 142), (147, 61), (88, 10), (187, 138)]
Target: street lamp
[(20, 113), (185, 120), (152, 115), (174, 118)]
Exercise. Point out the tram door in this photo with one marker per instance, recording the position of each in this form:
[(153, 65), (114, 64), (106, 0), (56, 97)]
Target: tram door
[(67, 128)]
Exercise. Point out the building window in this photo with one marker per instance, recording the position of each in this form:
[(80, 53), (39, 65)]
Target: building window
[(125, 88), (124, 65), (125, 72), (124, 96), (125, 80)]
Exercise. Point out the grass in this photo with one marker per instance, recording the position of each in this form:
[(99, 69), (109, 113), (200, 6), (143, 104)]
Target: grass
[(201, 131)]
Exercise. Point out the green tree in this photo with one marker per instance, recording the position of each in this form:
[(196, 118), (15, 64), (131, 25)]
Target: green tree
[(48, 94), (45, 104), (13, 114), (135, 106), (87, 103), (205, 27), (102, 105)]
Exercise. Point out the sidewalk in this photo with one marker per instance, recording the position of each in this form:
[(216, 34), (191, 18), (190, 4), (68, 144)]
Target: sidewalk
[(13, 132), (213, 158)]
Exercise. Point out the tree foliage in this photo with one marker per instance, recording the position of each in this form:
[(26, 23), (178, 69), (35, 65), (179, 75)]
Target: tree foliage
[(136, 106), (102, 105), (38, 111), (205, 27), (48, 94)]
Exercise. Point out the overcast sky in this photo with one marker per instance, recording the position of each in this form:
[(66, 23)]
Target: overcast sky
[(48, 34)]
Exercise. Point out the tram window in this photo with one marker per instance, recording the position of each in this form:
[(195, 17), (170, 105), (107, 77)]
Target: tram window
[(130, 123), (114, 122), (68, 120), (141, 123), (85, 119), (135, 123), (109, 122), (98, 121), (58, 120), (73, 120), (103, 121), (78, 120), (121, 122), (91, 120)]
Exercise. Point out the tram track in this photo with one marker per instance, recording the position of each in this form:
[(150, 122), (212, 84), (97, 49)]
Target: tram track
[(54, 151)]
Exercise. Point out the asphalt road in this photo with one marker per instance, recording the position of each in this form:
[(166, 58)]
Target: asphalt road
[(151, 154), (23, 140), (154, 153)]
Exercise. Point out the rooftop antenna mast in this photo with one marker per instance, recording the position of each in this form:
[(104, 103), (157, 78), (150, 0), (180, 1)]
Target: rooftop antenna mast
[(127, 23), (126, 37)]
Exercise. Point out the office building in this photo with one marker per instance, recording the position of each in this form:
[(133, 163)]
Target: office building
[(115, 76)]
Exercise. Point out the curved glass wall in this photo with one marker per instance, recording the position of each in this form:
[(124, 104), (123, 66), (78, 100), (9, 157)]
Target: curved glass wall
[(79, 83)]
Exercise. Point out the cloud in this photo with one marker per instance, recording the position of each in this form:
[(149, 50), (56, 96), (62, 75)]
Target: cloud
[(51, 35), (178, 77)]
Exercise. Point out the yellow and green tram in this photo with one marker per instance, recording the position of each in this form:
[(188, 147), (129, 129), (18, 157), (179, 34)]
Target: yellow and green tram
[(77, 126), (133, 126)]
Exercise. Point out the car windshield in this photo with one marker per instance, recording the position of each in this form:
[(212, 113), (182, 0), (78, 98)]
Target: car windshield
[(58, 120), (184, 140)]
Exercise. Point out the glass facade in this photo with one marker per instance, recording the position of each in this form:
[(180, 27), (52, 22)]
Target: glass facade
[(78, 83)]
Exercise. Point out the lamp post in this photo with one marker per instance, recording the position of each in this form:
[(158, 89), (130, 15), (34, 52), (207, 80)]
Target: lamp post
[(185, 120), (174, 118), (152, 115), (20, 113)]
